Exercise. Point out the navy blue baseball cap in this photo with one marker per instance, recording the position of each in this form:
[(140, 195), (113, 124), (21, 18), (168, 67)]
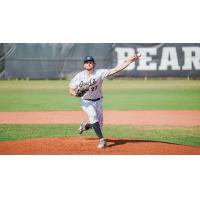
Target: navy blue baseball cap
[(88, 58)]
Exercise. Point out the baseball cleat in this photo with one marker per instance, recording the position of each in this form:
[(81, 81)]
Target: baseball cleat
[(82, 127), (102, 143)]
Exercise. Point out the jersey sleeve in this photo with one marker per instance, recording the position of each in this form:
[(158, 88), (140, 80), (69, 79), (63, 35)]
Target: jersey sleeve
[(104, 73), (74, 82)]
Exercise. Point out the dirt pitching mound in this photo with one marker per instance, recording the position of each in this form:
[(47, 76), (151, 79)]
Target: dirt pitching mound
[(88, 146)]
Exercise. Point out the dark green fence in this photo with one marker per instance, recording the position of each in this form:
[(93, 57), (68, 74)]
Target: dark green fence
[(1, 58), (64, 60)]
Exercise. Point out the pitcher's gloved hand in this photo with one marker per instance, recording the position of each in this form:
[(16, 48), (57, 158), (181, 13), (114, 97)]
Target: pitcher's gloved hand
[(82, 90)]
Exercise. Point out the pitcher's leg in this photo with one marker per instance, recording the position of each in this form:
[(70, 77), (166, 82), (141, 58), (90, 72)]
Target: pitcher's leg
[(89, 108), (99, 110), (94, 115)]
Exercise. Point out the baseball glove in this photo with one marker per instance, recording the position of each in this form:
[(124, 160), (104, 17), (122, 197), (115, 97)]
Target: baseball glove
[(82, 90)]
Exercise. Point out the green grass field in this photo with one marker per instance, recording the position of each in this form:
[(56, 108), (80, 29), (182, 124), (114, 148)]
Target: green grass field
[(178, 135), (118, 95)]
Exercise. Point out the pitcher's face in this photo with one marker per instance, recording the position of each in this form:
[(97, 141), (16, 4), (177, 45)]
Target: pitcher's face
[(89, 65)]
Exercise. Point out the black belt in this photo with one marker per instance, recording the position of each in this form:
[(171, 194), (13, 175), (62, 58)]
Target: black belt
[(94, 99)]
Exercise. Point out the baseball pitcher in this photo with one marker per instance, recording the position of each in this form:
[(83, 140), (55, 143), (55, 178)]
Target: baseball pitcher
[(87, 85)]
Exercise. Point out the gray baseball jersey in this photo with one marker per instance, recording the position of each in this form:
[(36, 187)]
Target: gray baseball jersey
[(94, 81)]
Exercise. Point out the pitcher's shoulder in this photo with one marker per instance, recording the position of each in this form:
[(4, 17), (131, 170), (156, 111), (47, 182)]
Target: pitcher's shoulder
[(100, 71)]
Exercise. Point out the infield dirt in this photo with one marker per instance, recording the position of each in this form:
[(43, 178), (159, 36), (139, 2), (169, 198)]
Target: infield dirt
[(88, 145), (157, 118)]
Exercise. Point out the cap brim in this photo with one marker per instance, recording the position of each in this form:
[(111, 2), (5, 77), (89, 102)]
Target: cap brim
[(88, 60)]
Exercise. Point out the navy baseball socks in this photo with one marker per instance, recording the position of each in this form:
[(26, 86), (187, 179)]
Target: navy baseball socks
[(97, 129)]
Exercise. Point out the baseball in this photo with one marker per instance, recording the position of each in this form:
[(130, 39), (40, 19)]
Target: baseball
[(138, 54)]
